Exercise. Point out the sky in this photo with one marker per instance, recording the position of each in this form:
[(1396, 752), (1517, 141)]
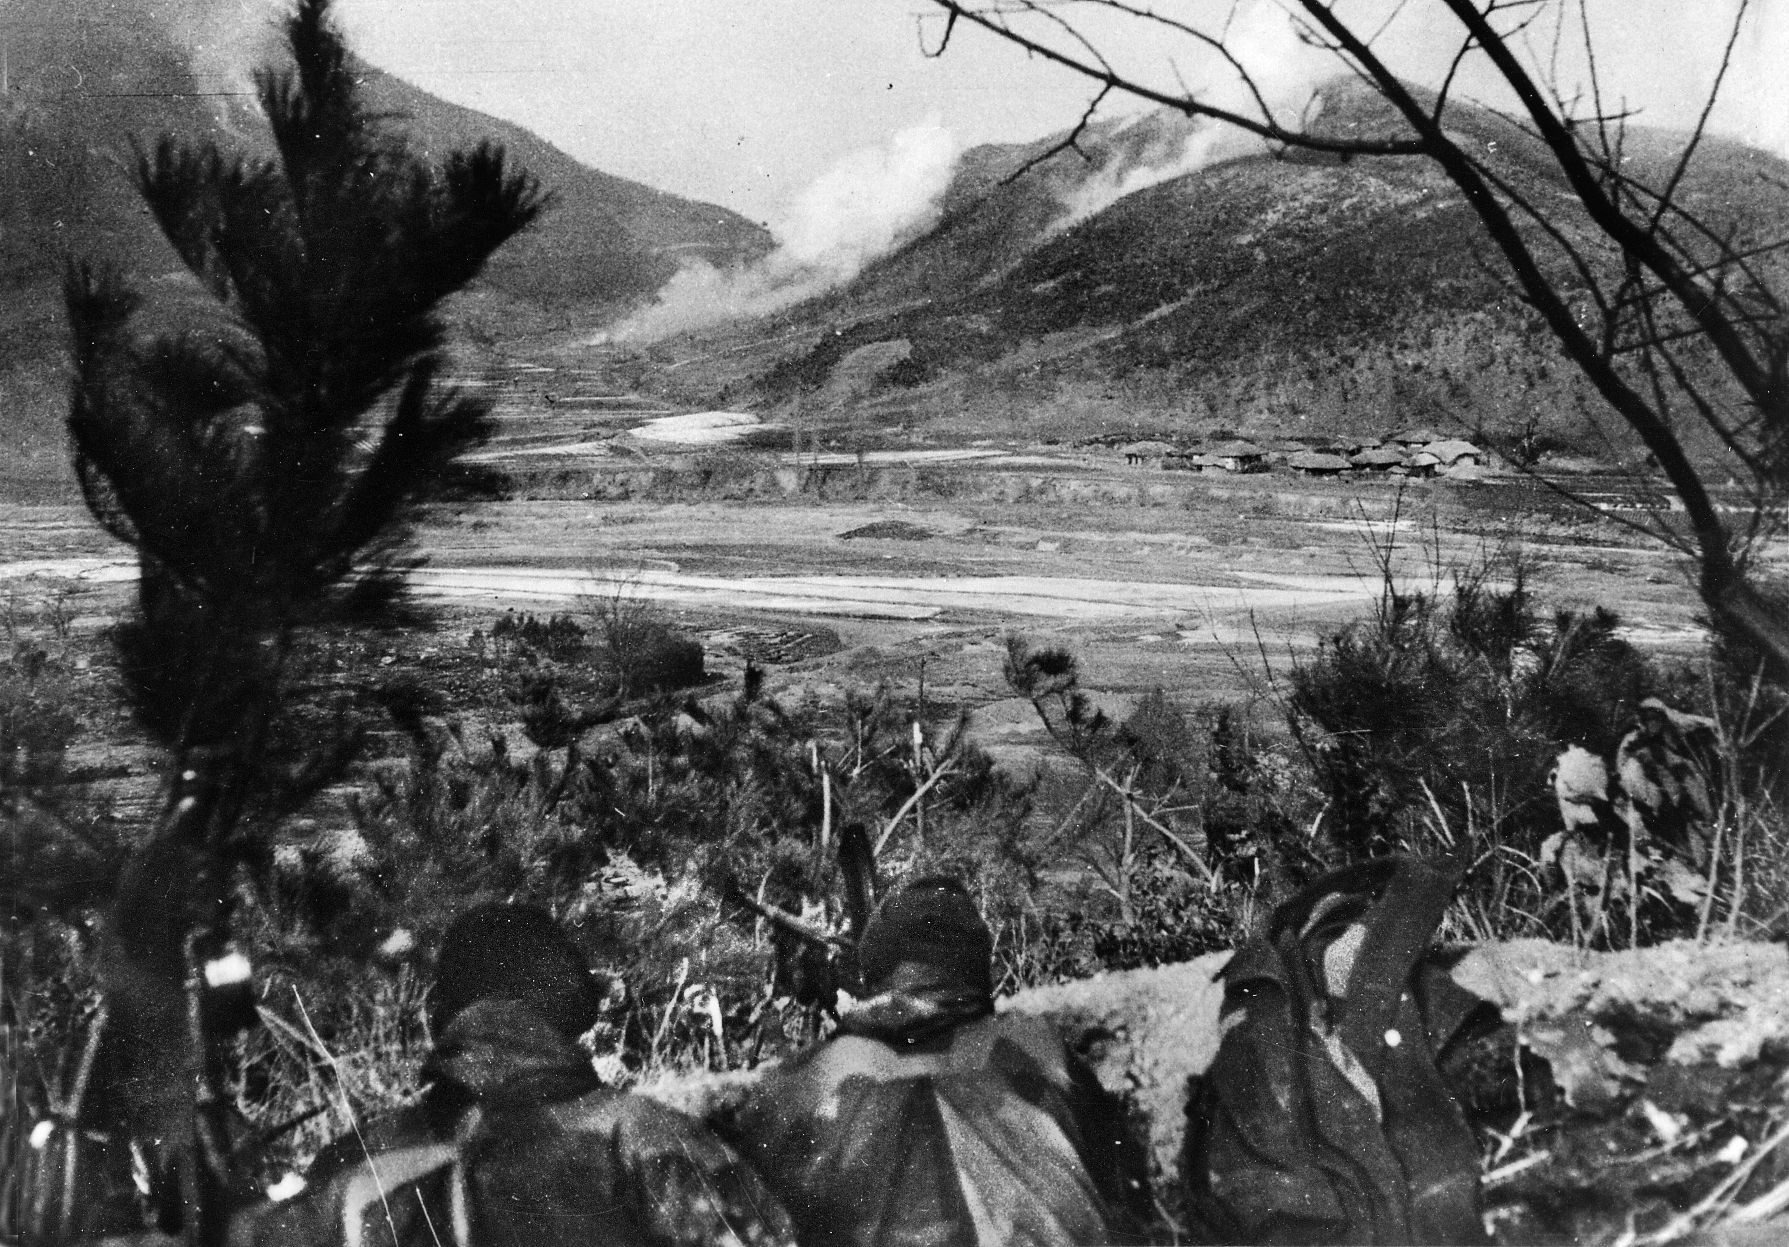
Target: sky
[(746, 103), (739, 102)]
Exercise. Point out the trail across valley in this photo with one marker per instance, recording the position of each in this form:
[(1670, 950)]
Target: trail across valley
[(1068, 599)]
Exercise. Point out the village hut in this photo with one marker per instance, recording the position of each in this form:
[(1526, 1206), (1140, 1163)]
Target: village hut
[(1233, 457), (1378, 459), (1315, 463), (1421, 436), (1453, 450), (1145, 452), (1280, 449), (1422, 463)]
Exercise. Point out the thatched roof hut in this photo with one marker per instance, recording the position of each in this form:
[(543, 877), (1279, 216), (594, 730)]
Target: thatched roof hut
[(1232, 457), (1453, 450), (1420, 436), (1378, 459), (1316, 463), (1141, 452)]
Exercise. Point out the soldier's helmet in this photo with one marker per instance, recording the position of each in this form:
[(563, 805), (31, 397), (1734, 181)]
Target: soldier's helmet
[(933, 923), (513, 952)]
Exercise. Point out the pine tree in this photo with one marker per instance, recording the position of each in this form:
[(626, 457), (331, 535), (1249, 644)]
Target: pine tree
[(262, 447)]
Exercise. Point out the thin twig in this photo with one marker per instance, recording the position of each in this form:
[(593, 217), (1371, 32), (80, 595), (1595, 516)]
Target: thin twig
[(1186, 850), (1069, 143), (776, 916), (947, 767), (1723, 1192)]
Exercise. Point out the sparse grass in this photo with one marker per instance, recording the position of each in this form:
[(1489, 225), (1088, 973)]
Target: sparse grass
[(331, 1055)]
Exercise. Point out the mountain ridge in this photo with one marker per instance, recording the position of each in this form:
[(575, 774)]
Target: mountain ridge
[(1270, 293), (89, 78)]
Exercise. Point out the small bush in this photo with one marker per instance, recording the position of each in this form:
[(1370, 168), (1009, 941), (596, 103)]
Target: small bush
[(36, 722), (1437, 710), (559, 637), (653, 657), (642, 653)]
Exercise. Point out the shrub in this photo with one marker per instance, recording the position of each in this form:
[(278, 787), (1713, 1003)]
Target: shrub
[(1437, 709), (559, 637), (36, 724), (652, 657), (1164, 886), (635, 834), (642, 652), (1439, 723)]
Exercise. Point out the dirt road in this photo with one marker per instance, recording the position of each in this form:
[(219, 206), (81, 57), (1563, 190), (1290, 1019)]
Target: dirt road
[(953, 599)]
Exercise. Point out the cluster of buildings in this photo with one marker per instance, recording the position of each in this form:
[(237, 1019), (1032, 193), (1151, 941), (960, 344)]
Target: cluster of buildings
[(1414, 452)]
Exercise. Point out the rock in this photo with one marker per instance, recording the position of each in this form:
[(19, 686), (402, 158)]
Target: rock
[(1723, 1001), (1145, 1032)]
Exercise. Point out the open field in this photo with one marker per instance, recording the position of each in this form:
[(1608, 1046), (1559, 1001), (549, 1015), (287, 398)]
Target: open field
[(835, 571), (1172, 579)]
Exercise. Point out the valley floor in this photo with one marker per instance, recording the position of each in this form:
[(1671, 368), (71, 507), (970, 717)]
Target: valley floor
[(1185, 581)]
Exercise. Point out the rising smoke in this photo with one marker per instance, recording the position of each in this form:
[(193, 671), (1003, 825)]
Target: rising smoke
[(855, 212), (1755, 105), (1653, 59), (1285, 71), (224, 39)]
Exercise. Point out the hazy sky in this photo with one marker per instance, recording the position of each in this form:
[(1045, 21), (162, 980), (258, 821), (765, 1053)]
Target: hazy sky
[(735, 101), (744, 102)]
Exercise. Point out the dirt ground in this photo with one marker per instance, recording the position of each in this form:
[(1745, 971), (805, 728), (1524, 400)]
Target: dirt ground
[(839, 561), (1190, 581), (834, 570)]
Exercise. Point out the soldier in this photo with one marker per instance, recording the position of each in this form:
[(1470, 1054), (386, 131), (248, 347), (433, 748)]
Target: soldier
[(515, 1139), (928, 1118)]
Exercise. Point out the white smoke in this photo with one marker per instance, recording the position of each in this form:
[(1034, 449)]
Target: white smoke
[(1285, 72), (1755, 103), (855, 212), (225, 39)]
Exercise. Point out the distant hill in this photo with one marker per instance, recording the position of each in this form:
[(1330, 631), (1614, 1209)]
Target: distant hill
[(1271, 295), (85, 77), (606, 241)]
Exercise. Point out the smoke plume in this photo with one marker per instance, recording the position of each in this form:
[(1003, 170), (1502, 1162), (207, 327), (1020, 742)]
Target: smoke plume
[(855, 212), (1285, 72), (1755, 106), (224, 39)]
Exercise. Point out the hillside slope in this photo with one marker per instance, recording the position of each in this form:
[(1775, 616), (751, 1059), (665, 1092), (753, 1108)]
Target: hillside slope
[(1282, 295), (87, 78)]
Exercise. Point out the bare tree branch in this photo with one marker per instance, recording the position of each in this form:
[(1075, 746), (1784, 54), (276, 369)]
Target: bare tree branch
[(1105, 76), (1675, 281), (1069, 143), (779, 917)]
